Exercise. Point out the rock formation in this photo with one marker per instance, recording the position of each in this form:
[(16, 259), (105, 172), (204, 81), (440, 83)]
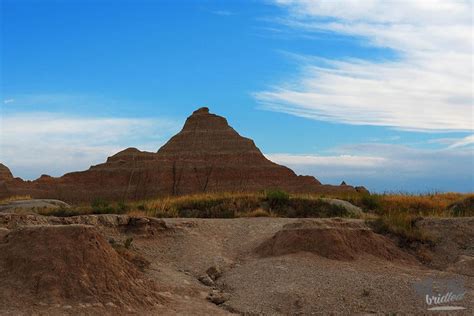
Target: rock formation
[(207, 155), (5, 173)]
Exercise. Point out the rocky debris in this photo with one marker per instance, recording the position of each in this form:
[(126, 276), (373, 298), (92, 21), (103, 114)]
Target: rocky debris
[(206, 280), (65, 264), (218, 297), (333, 239), (144, 226), (207, 155), (214, 272), (32, 204)]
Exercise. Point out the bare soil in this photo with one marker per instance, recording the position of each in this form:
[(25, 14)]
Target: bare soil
[(220, 266)]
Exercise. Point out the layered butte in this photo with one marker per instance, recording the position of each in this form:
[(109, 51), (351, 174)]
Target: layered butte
[(207, 155)]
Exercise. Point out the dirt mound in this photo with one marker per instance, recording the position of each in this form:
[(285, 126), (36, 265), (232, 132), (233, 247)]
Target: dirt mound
[(70, 264), (333, 239)]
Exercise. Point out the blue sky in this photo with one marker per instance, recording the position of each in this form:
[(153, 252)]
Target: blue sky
[(375, 93)]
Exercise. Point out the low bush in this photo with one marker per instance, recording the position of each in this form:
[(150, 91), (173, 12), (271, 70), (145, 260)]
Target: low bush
[(277, 199), (371, 202), (298, 207), (100, 206)]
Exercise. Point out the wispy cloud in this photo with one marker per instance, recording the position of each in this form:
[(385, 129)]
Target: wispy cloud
[(468, 140), (222, 12), (36, 143), (428, 87), (337, 160), (389, 167), (7, 101)]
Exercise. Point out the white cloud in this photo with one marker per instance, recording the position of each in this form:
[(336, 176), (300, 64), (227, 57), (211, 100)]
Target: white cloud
[(389, 167), (35, 143), (468, 140), (316, 160), (427, 88), (8, 101)]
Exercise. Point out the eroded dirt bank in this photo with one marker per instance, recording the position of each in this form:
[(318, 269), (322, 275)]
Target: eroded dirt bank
[(221, 266)]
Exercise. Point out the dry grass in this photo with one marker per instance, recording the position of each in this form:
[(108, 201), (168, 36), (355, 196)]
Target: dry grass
[(15, 198), (229, 205), (431, 204), (403, 226)]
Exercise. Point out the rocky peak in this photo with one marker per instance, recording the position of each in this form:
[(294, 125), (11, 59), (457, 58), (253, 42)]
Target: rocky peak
[(204, 132), (5, 173), (131, 154), (203, 110)]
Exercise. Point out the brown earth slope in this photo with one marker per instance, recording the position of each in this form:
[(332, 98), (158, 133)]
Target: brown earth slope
[(206, 155), (69, 264), (214, 266)]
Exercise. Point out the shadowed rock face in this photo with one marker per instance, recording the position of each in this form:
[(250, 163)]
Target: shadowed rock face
[(206, 155), (5, 173)]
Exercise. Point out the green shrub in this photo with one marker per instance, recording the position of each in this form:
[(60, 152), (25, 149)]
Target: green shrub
[(122, 208), (277, 199), (302, 207), (100, 206), (371, 202), (219, 207)]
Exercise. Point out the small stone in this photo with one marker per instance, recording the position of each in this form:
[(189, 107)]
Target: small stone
[(214, 272), (110, 304), (218, 298), (206, 280)]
